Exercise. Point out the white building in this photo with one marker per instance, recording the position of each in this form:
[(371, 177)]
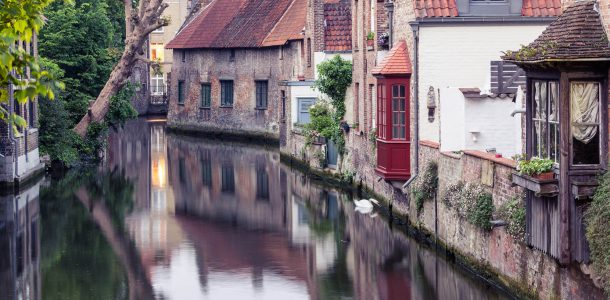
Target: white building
[(469, 99)]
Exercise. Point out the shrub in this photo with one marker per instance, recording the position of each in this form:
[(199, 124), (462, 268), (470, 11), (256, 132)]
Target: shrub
[(481, 213), (471, 202), (426, 186), (598, 232), (513, 212)]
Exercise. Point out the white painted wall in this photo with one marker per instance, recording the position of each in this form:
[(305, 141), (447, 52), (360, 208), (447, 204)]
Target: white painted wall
[(452, 57)]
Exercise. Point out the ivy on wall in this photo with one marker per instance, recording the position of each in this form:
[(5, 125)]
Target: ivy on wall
[(598, 232), (471, 202), (426, 186)]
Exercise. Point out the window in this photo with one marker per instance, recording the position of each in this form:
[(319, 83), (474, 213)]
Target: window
[(159, 30), (32, 113), (180, 92), (262, 183), (261, 94), (303, 109), (232, 55), (228, 178), (283, 106), (585, 117), (381, 111), (183, 55), (157, 52), (399, 104), (226, 93), (545, 119), (206, 95), (206, 169), (157, 85), (357, 102)]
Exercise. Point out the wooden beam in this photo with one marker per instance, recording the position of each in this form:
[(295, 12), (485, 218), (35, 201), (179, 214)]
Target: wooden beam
[(564, 165)]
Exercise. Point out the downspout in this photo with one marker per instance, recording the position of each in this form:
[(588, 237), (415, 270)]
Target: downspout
[(414, 176)]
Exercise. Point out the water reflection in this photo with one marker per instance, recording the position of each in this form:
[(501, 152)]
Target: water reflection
[(204, 219), (20, 244)]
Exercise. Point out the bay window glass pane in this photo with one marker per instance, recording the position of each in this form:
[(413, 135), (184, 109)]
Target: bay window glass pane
[(585, 122)]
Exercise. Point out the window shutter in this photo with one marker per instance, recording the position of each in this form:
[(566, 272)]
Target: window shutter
[(506, 78)]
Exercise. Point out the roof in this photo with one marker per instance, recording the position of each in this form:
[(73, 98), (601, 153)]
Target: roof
[(290, 26), (435, 8), (337, 25), (577, 34), (243, 24), (397, 62), (448, 8), (541, 8)]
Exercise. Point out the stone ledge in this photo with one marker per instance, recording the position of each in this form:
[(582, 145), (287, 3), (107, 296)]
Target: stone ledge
[(430, 144), (492, 157)]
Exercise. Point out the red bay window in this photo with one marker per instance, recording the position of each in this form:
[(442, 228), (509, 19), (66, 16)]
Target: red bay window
[(393, 122)]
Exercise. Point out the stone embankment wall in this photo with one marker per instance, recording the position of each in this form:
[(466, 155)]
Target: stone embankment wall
[(495, 252)]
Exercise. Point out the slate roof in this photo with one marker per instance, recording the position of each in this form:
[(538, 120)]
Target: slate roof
[(397, 62), (448, 8), (242, 24), (337, 25), (577, 34)]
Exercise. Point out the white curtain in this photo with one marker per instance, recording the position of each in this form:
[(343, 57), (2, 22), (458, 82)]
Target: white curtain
[(585, 110)]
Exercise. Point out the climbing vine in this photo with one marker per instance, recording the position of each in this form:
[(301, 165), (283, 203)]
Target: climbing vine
[(471, 202), (513, 212), (598, 231), (426, 186), (334, 77)]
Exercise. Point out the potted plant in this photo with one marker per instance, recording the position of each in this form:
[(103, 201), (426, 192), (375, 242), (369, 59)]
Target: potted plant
[(370, 39), (383, 41), (539, 168)]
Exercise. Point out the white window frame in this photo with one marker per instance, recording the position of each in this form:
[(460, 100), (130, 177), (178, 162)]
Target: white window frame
[(156, 77)]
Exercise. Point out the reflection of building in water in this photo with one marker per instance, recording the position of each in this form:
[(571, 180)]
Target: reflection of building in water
[(20, 244)]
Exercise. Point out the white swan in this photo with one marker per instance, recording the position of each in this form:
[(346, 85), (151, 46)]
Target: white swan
[(364, 203)]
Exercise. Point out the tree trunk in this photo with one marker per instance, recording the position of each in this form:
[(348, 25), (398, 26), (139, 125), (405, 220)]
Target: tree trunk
[(139, 25)]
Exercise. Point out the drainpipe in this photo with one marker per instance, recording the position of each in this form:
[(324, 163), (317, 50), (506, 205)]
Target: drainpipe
[(414, 176), (11, 136), (389, 5)]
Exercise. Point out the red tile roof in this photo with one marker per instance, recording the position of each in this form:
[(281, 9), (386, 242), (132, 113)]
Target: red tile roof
[(397, 62), (578, 33), (541, 8), (290, 27), (240, 24), (448, 8), (435, 8), (337, 25)]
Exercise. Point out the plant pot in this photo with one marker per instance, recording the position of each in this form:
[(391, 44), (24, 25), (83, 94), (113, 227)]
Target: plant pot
[(545, 176), (370, 43)]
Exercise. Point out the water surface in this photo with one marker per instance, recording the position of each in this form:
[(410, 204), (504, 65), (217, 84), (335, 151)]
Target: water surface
[(175, 217)]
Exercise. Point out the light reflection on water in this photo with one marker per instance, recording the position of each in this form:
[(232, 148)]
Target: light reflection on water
[(175, 217)]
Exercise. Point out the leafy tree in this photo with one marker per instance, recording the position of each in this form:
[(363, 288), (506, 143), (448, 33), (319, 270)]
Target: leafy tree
[(20, 20), (598, 231)]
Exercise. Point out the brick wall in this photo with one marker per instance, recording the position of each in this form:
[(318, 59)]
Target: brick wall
[(248, 65)]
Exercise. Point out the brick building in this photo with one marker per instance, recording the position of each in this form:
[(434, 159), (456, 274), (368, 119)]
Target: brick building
[(19, 155), (327, 34), (229, 61)]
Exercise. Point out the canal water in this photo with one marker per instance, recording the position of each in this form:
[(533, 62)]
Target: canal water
[(168, 216)]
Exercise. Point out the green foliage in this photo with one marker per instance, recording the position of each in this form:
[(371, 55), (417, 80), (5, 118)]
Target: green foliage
[(20, 20), (322, 121), (120, 109), (80, 45), (347, 177), (370, 36), (513, 212), (426, 186), (480, 215), (535, 166), (597, 219), (335, 76), (471, 202)]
